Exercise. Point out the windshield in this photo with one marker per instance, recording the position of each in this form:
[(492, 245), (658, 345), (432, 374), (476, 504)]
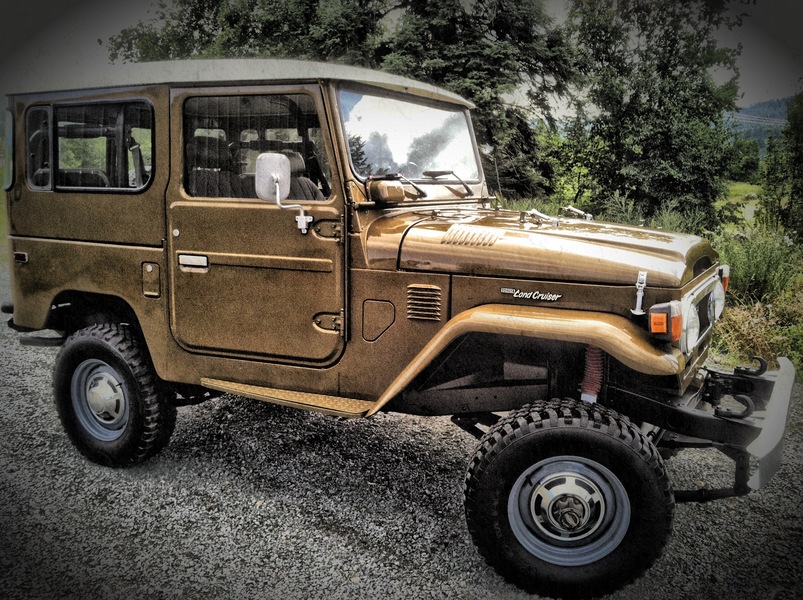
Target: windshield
[(388, 135)]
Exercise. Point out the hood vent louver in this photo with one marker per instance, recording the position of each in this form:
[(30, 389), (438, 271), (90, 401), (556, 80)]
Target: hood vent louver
[(424, 302), (470, 235)]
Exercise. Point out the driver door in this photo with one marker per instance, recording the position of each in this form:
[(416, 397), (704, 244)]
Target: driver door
[(245, 281)]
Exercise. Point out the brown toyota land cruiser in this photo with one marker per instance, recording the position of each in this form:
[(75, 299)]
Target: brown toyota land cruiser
[(322, 237)]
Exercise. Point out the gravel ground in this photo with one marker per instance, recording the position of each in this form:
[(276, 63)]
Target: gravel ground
[(251, 500)]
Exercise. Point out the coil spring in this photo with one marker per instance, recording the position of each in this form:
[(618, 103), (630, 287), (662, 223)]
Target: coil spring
[(592, 379)]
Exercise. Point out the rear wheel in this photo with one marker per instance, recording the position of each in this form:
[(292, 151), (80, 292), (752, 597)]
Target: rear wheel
[(107, 398), (568, 499)]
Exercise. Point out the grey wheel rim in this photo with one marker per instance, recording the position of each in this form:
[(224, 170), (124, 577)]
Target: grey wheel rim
[(569, 510), (99, 400)]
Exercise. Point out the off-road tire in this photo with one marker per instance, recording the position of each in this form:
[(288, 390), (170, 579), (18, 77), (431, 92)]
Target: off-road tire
[(107, 396), (557, 457)]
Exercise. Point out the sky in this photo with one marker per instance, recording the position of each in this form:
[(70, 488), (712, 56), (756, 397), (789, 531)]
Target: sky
[(45, 39)]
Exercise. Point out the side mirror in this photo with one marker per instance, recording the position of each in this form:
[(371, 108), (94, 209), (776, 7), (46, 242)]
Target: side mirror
[(383, 191), (273, 177), (273, 185)]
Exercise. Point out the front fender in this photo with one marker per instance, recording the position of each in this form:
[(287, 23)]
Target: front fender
[(617, 336)]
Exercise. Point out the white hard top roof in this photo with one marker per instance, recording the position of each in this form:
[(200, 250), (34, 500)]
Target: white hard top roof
[(218, 71)]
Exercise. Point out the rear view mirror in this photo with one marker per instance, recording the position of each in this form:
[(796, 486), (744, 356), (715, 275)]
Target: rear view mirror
[(273, 177)]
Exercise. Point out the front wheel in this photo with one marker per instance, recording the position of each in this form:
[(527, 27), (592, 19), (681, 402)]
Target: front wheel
[(107, 398), (568, 499)]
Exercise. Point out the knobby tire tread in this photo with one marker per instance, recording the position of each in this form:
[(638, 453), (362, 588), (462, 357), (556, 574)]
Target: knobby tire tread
[(557, 414)]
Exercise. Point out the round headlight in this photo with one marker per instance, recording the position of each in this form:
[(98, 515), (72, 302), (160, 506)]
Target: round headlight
[(691, 326)]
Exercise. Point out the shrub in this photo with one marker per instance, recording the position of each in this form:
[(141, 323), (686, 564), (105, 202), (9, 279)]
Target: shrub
[(618, 208), (670, 218), (747, 330), (764, 263)]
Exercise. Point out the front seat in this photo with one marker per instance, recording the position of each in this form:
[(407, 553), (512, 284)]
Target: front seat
[(301, 186), (211, 172)]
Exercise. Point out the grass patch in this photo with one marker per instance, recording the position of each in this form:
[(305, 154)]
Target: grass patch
[(763, 329), (740, 203), (765, 312)]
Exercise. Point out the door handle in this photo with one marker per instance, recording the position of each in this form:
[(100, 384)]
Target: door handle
[(193, 261)]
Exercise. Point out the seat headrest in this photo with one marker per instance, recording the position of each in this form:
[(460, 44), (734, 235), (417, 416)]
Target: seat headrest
[(206, 152), (297, 167)]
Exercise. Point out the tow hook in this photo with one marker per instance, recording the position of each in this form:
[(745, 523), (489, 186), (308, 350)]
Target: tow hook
[(757, 372), (745, 401), (743, 385)]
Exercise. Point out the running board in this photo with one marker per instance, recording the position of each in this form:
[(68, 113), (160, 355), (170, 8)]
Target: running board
[(330, 405)]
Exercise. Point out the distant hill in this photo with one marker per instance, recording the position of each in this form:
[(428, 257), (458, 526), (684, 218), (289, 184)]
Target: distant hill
[(759, 121)]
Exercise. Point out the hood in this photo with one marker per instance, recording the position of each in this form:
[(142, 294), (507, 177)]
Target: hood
[(497, 243)]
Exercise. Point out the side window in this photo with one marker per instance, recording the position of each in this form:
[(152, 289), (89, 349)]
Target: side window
[(37, 147), (223, 135), (104, 146)]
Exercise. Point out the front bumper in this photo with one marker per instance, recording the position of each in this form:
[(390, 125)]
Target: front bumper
[(752, 437), (768, 446)]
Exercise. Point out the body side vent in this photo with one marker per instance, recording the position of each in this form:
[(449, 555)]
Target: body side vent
[(424, 302)]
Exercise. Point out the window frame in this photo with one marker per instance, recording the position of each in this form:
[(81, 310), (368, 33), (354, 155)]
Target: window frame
[(326, 150), (370, 90), (8, 158), (29, 176), (53, 144)]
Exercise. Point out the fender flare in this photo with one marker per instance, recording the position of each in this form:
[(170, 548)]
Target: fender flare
[(616, 335)]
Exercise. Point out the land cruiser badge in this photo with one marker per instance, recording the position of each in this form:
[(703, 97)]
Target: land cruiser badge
[(543, 296)]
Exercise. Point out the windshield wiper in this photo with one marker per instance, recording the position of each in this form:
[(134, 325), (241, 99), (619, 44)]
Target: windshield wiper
[(421, 193), (436, 174)]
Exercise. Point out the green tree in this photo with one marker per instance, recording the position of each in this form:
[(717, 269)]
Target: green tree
[(743, 158), (782, 174), (774, 183), (655, 129), (503, 55), (793, 140), (343, 30)]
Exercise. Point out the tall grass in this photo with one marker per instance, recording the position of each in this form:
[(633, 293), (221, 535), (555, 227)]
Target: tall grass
[(765, 313), (764, 263)]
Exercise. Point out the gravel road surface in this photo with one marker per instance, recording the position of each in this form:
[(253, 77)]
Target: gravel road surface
[(251, 500)]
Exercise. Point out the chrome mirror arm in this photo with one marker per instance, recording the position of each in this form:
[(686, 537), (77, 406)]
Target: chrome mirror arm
[(303, 220)]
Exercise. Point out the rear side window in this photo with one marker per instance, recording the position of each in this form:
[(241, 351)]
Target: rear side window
[(8, 152), (38, 148), (100, 146)]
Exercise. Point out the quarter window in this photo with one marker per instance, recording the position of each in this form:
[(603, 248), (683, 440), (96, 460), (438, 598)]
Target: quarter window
[(38, 150), (102, 146)]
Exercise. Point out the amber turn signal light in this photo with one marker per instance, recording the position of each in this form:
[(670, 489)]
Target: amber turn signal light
[(666, 321)]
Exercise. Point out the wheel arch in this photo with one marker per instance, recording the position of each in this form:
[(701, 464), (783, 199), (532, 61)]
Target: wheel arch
[(72, 310), (615, 335)]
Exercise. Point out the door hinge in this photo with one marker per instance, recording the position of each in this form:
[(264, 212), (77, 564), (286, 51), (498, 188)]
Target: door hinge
[(329, 229)]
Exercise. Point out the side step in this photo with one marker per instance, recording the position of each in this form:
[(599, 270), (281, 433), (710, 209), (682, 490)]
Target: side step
[(330, 405)]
